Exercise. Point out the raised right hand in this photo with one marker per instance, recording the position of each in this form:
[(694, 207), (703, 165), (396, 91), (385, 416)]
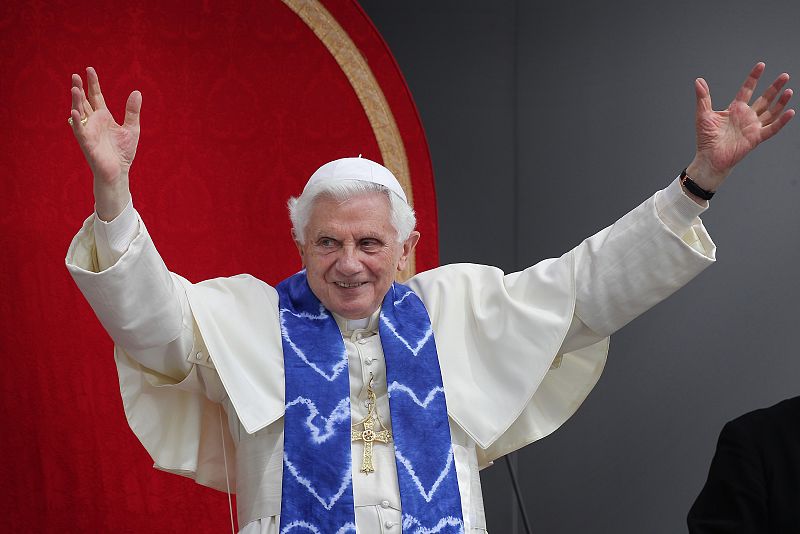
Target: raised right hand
[(109, 148)]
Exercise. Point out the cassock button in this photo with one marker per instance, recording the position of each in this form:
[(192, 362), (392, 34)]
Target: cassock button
[(368, 361), (384, 504), (199, 355), (388, 524), (362, 341)]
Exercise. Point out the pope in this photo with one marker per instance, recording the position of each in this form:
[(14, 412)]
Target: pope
[(341, 399)]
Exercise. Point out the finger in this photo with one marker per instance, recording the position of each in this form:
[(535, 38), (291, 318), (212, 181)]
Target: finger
[(782, 101), (95, 95), (86, 106), (703, 96), (777, 109), (75, 123), (76, 113), (765, 100), (77, 100), (132, 109), (749, 85), (76, 81), (775, 127)]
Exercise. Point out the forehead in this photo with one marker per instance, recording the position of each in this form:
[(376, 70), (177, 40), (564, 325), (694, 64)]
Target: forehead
[(365, 213)]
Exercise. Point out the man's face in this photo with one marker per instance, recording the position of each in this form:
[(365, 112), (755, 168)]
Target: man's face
[(351, 253)]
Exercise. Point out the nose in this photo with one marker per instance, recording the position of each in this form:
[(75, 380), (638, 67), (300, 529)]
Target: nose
[(348, 263)]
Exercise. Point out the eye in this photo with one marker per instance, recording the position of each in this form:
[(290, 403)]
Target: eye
[(370, 245), (327, 242)]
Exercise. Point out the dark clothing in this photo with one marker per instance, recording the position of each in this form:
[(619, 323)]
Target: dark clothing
[(754, 481)]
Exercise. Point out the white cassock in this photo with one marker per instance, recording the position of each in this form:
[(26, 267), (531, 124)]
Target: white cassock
[(518, 352)]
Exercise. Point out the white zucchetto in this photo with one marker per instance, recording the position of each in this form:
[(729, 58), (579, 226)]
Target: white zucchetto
[(358, 168)]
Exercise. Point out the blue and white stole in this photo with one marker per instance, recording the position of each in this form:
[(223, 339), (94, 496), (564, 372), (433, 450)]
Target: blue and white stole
[(317, 490)]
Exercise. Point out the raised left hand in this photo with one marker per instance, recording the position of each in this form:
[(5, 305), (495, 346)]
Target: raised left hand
[(725, 137)]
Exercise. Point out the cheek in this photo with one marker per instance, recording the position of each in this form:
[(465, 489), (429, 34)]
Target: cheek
[(384, 266), (316, 265)]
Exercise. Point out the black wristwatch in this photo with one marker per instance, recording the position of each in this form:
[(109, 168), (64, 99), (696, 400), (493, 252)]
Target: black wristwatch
[(693, 188)]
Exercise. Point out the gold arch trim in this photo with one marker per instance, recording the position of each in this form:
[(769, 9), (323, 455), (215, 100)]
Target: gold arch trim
[(369, 93)]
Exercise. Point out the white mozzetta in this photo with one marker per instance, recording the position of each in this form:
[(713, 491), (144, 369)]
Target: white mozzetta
[(183, 350)]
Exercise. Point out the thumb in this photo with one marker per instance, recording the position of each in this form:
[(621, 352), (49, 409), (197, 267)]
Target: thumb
[(132, 109), (703, 95)]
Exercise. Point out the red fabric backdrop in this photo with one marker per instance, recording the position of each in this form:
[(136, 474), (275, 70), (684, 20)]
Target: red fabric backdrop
[(241, 103)]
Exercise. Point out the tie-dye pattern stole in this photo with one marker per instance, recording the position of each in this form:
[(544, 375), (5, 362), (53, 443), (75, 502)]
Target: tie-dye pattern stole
[(317, 473)]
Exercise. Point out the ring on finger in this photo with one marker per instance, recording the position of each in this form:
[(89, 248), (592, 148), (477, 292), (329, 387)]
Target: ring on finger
[(84, 120)]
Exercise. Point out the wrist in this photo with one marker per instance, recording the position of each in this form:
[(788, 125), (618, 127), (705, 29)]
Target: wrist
[(705, 175), (693, 191), (111, 198)]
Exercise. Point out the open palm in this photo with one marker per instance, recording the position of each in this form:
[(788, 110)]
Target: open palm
[(725, 137), (109, 147)]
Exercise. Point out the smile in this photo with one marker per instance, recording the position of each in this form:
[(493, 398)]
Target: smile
[(353, 284)]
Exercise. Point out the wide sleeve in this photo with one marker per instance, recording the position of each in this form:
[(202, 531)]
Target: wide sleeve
[(136, 299), (169, 388), (648, 254), (521, 351)]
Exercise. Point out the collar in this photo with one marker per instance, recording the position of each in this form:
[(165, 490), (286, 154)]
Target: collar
[(348, 326)]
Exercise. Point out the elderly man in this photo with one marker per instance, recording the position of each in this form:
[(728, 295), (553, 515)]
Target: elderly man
[(341, 399)]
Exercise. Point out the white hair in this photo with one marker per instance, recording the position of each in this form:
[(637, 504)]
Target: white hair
[(402, 215)]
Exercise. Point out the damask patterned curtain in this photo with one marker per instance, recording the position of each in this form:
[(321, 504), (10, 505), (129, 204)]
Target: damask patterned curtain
[(241, 103)]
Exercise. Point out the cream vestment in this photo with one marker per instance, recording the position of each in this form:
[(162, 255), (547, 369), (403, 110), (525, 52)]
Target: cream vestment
[(518, 353)]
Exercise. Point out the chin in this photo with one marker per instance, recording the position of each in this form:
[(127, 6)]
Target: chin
[(354, 310)]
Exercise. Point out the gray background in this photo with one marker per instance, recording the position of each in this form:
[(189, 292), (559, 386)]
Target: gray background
[(546, 122)]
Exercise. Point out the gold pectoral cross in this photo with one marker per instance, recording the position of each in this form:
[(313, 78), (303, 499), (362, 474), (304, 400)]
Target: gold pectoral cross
[(369, 435)]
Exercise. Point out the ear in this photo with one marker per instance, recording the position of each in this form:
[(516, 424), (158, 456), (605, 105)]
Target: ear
[(408, 248), (300, 248)]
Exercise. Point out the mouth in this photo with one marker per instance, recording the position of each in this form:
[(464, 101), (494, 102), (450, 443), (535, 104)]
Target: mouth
[(349, 285)]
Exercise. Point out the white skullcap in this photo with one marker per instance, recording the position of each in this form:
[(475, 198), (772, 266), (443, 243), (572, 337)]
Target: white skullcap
[(356, 169)]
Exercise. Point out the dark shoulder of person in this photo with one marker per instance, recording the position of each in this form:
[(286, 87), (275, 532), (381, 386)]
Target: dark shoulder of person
[(781, 419), (753, 484), (774, 433)]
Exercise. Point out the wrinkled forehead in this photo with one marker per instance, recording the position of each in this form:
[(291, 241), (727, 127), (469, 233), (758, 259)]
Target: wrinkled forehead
[(360, 169), (362, 214), (370, 207)]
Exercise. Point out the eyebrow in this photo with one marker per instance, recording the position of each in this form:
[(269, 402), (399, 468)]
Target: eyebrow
[(322, 234)]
